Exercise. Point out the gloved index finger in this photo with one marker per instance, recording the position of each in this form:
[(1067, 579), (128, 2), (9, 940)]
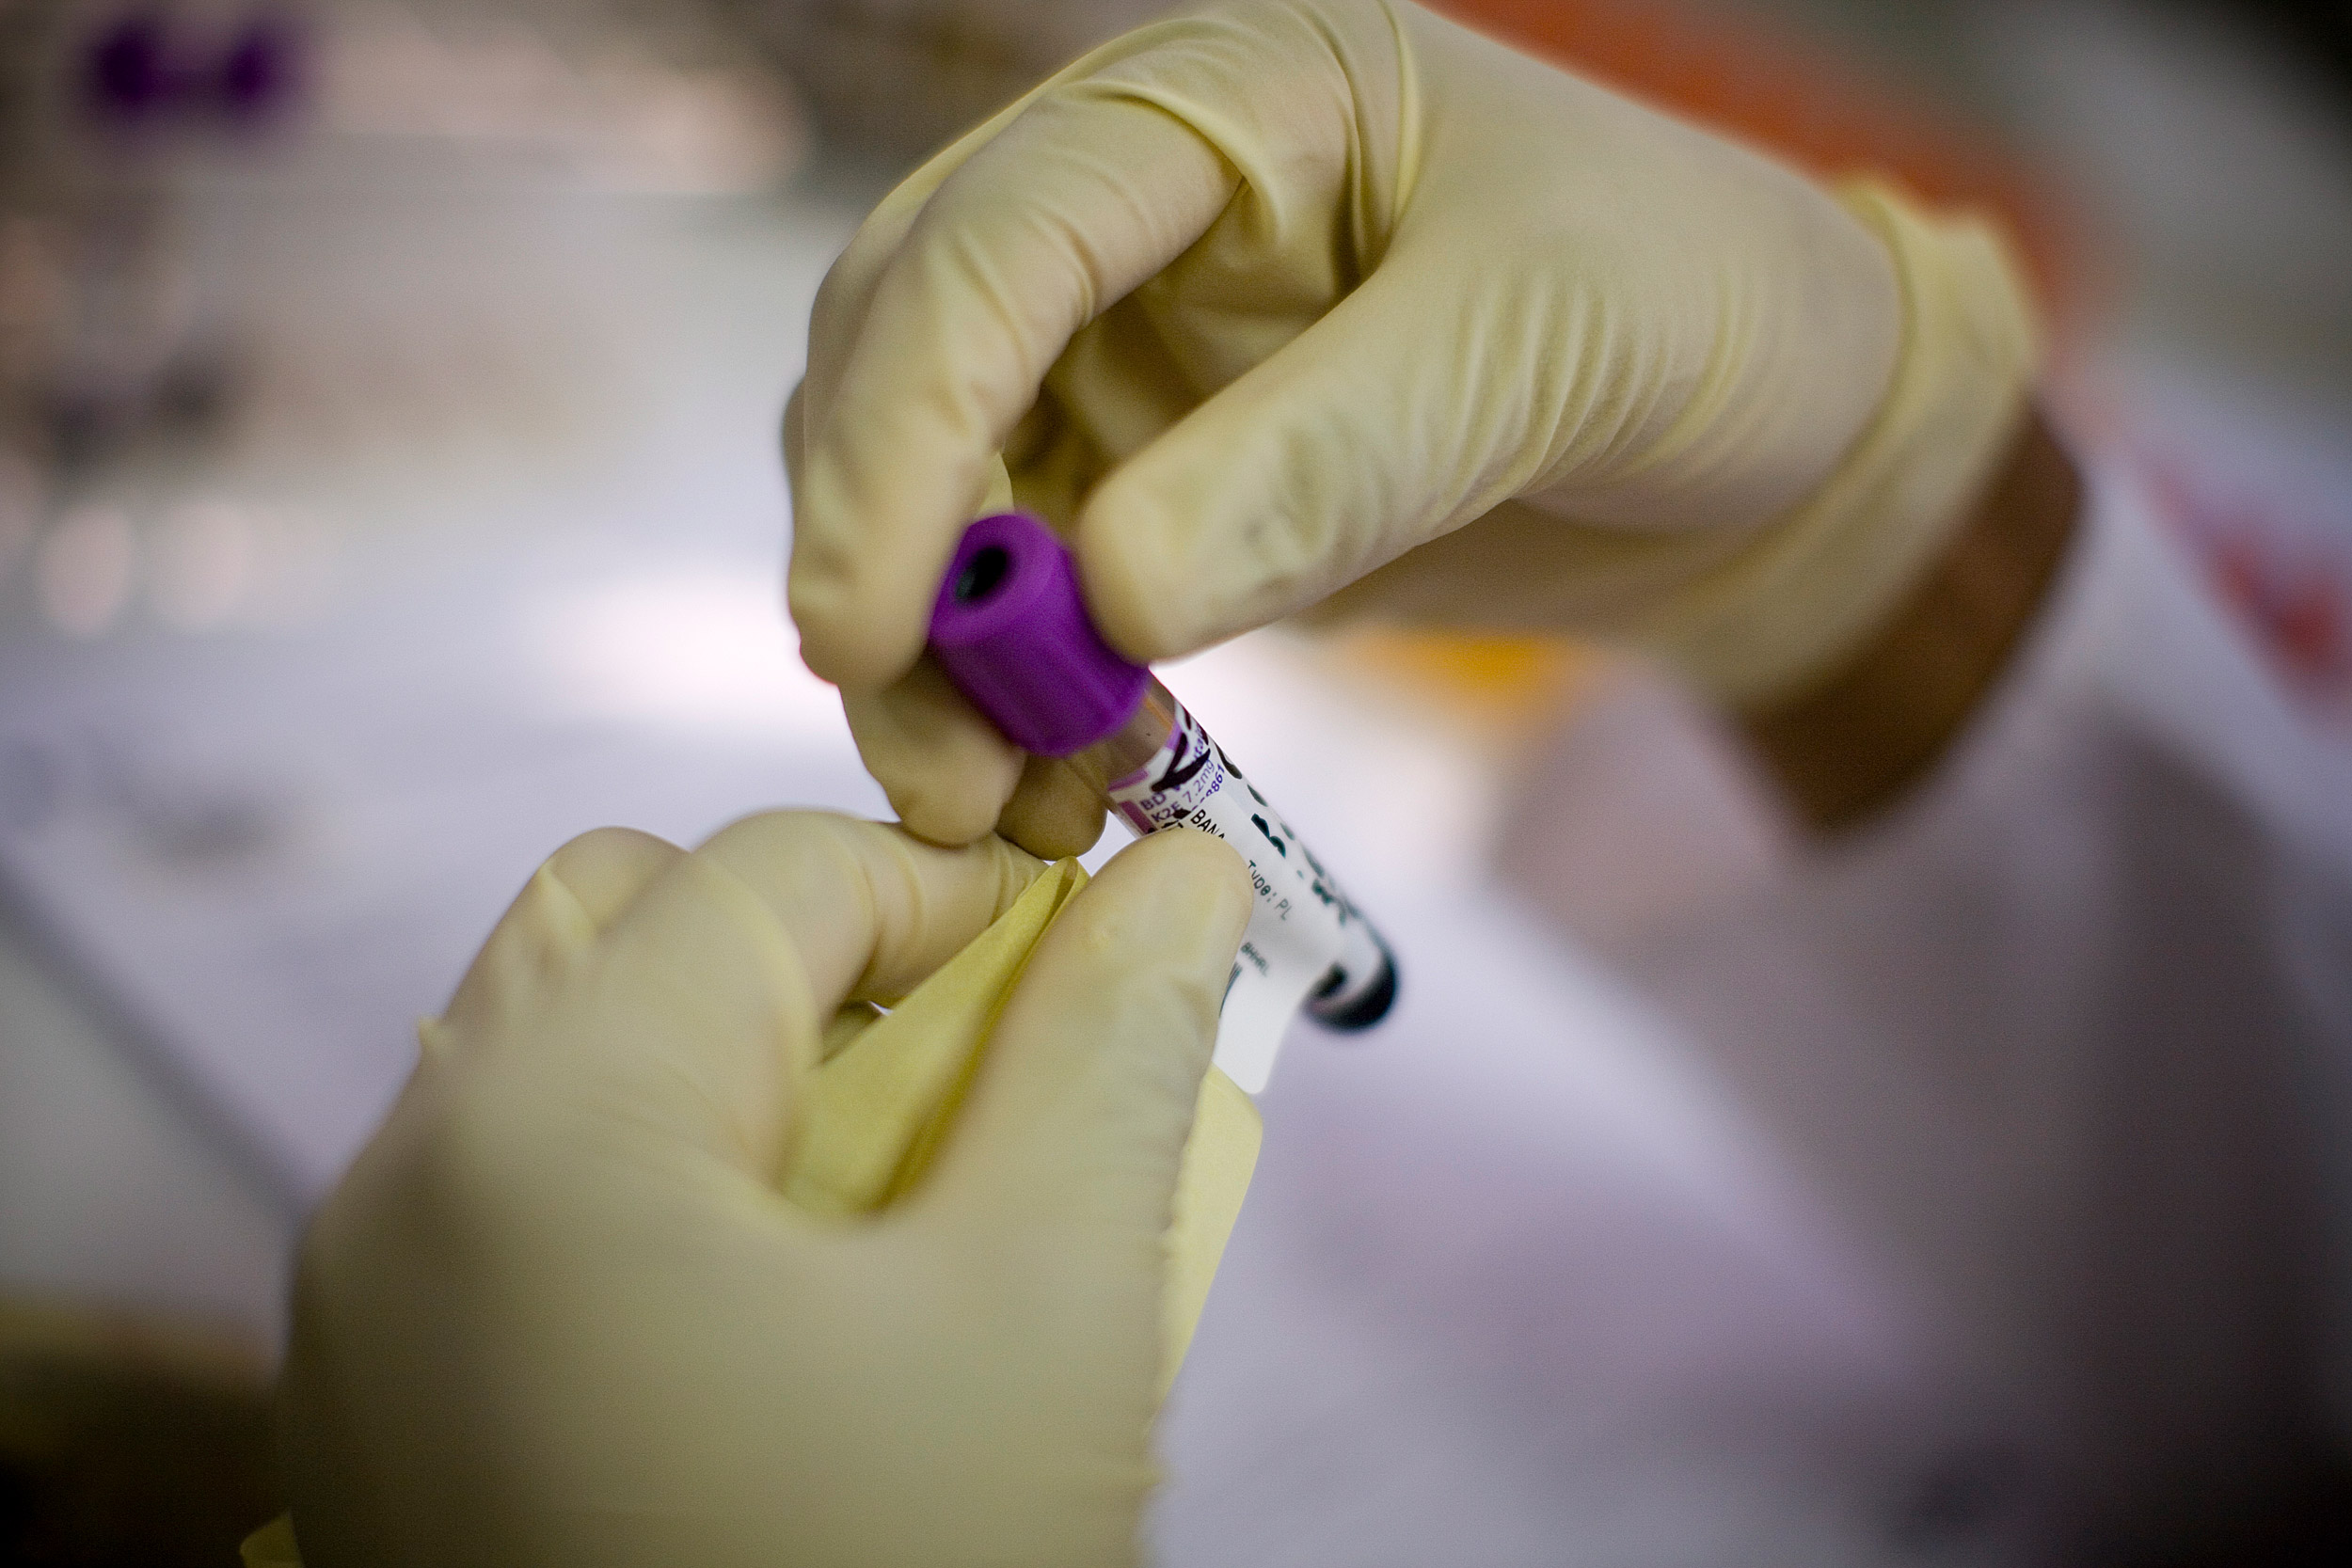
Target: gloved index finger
[(869, 910), (1090, 192), (708, 998)]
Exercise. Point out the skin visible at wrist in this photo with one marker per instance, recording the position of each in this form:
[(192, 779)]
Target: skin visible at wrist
[(1854, 742)]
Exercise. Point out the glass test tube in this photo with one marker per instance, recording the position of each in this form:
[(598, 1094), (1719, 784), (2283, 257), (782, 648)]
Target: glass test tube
[(1011, 631)]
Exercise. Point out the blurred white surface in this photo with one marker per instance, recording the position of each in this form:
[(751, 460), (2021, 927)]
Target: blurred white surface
[(489, 553), (277, 845), (114, 1188), (1970, 1190)]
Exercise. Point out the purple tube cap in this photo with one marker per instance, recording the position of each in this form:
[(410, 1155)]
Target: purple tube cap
[(1012, 633)]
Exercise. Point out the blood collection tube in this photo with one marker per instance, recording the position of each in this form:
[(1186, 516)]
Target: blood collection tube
[(1011, 631)]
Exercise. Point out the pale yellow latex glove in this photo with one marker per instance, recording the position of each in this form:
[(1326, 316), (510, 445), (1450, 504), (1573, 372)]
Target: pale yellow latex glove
[(559, 1312), (892, 1082), (1255, 302)]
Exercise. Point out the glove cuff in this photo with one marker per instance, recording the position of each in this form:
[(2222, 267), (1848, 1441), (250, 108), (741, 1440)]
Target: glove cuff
[(1793, 605)]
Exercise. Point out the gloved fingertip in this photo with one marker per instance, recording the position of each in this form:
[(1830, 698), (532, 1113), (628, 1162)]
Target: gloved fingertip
[(1053, 811), (433, 1039), (1140, 602), (606, 868), (792, 431), (947, 771), (948, 812), (845, 637), (1196, 872)]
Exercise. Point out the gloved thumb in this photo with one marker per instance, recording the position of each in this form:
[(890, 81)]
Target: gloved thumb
[(1348, 446), (1082, 1104)]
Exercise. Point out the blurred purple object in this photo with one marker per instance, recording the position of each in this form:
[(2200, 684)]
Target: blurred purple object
[(1011, 630), (142, 69), (260, 75), (129, 71)]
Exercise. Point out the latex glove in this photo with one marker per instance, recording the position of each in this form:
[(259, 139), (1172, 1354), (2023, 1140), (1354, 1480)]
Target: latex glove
[(1254, 302), (892, 1083), (558, 1312)]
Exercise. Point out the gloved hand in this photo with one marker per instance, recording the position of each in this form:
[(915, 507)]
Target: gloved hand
[(1257, 302), (558, 1313)]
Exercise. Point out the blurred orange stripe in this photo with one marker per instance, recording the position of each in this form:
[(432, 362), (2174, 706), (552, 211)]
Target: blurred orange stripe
[(1800, 99)]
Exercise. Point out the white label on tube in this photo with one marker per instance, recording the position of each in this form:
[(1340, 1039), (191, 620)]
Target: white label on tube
[(1298, 927)]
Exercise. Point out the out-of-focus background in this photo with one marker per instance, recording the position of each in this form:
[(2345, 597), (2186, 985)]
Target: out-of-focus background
[(389, 490)]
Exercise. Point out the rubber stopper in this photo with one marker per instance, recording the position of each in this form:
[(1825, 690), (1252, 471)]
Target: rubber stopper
[(1011, 631)]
